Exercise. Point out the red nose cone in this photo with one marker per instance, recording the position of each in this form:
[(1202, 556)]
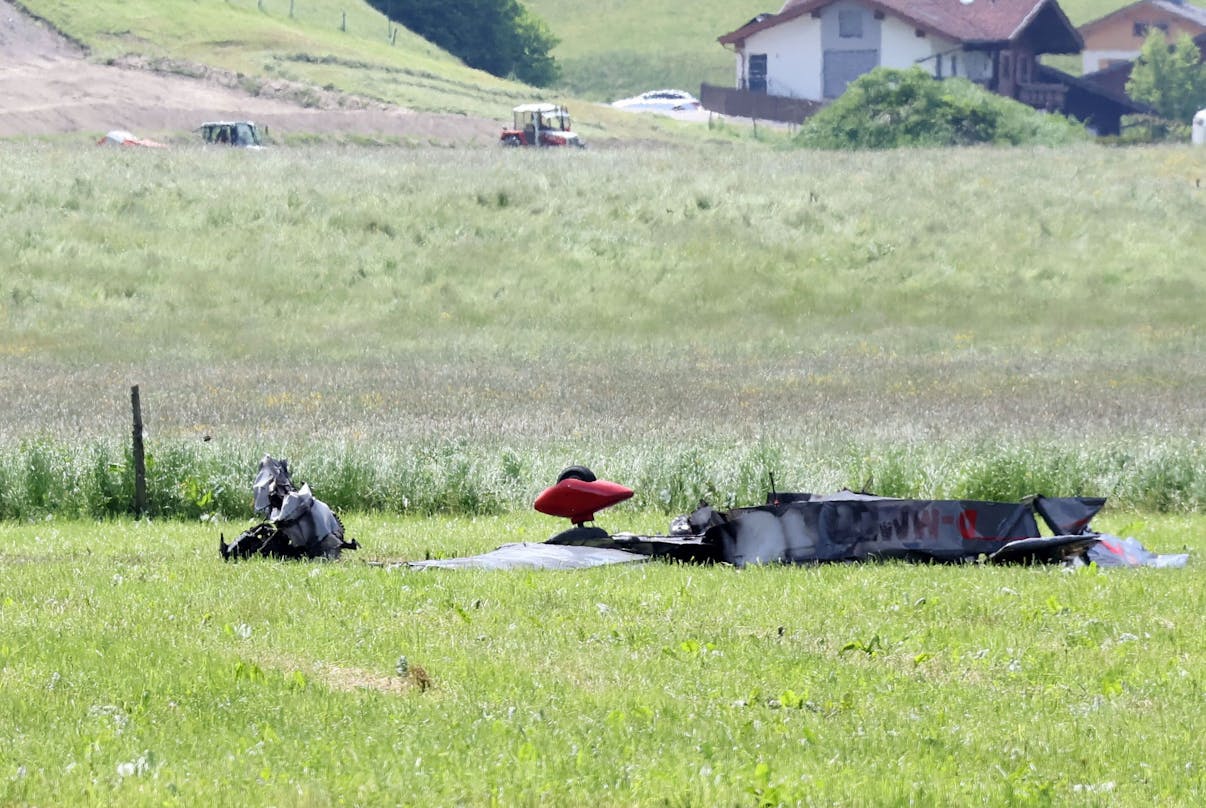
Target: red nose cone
[(577, 500)]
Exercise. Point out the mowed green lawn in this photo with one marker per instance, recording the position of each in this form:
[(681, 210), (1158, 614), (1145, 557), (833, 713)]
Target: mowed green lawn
[(138, 669), (683, 319)]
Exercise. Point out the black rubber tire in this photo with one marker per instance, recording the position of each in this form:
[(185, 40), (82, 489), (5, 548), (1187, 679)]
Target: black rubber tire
[(577, 473)]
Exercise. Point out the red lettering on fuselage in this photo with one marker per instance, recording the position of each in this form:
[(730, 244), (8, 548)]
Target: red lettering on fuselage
[(967, 525)]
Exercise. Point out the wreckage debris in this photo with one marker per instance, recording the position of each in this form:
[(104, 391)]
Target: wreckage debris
[(1113, 551), (298, 525), (798, 528)]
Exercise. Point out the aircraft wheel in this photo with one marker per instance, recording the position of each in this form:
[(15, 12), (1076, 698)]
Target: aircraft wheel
[(577, 473)]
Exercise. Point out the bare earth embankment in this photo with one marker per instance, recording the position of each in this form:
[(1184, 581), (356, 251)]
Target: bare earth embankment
[(48, 87)]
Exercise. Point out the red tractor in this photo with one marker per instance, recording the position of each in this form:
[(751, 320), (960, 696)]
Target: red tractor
[(541, 125)]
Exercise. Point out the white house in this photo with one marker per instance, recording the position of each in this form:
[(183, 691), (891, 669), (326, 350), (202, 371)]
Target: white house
[(812, 49)]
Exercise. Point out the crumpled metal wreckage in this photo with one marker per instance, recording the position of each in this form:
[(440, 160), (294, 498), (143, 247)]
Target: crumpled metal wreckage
[(790, 528), (798, 528), (298, 524)]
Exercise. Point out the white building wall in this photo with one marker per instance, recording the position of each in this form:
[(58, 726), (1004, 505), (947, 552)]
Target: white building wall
[(793, 57), (903, 48)]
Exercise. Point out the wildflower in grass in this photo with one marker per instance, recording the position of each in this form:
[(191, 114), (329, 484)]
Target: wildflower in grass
[(137, 767)]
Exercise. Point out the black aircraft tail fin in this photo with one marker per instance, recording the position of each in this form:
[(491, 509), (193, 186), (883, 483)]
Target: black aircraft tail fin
[(1068, 515)]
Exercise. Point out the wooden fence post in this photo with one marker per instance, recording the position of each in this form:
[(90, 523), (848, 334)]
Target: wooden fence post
[(140, 465)]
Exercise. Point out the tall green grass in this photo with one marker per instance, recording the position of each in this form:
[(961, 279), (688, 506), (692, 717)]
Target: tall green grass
[(430, 330), (1035, 256), (40, 479)]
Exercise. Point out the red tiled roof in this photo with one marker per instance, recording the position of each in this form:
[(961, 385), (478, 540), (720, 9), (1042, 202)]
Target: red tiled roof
[(977, 21)]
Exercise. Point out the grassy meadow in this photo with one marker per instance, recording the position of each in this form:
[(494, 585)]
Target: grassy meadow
[(443, 330), (431, 334)]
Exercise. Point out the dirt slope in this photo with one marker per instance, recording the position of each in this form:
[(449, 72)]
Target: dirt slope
[(47, 86)]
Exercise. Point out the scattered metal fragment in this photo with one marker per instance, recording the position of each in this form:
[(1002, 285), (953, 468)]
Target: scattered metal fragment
[(298, 524)]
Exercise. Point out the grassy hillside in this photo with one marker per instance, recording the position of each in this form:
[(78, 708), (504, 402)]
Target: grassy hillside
[(620, 47), (1082, 11), (607, 50), (333, 43)]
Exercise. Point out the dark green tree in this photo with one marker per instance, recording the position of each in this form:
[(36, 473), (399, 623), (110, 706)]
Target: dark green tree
[(1170, 80), (534, 63), (500, 37)]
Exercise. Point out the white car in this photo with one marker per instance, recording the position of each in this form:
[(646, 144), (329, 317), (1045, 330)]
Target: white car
[(660, 101)]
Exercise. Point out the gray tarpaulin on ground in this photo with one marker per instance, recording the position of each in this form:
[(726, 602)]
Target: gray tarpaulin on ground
[(525, 555)]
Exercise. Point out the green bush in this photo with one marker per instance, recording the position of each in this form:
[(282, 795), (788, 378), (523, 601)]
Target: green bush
[(887, 109)]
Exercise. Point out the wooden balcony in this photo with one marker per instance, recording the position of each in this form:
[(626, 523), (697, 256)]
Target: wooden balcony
[(1049, 97)]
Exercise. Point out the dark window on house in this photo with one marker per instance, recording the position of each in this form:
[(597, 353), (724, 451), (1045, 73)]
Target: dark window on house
[(954, 65), (756, 80), (850, 24), (1139, 29), (938, 66)]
